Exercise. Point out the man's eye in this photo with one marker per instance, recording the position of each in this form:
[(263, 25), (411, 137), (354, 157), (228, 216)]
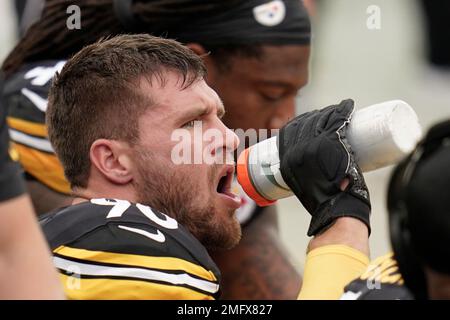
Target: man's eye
[(272, 97), (189, 124)]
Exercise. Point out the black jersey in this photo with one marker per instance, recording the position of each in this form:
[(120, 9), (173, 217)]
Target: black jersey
[(381, 281), (11, 184), (25, 95), (112, 249)]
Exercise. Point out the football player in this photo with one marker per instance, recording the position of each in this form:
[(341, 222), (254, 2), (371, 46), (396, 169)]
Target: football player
[(419, 228), (112, 114), (140, 222), (26, 271), (256, 53)]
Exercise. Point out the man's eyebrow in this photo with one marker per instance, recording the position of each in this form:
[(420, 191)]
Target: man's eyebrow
[(204, 110), (196, 113)]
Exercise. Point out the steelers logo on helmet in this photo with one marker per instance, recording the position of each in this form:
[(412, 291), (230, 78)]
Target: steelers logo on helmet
[(270, 14)]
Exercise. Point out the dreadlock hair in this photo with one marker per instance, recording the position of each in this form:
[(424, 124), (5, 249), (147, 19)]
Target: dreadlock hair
[(50, 39)]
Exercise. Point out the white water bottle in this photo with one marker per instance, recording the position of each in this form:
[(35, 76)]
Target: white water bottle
[(380, 135)]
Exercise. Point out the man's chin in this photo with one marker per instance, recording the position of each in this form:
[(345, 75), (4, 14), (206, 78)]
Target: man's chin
[(224, 236)]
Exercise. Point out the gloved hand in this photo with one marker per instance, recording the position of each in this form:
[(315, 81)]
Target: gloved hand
[(315, 158)]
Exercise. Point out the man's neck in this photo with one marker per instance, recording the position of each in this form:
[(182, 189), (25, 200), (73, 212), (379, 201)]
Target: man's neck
[(83, 195), (78, 200)]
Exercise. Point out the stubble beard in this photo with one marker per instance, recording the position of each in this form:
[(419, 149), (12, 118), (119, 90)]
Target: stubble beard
[(176, 195)]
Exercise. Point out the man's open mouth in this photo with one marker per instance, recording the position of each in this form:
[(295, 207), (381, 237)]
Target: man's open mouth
[(223, 188), (226, 178)]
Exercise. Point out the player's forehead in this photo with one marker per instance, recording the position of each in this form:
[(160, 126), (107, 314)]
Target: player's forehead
[(171, 100), (276, 64)]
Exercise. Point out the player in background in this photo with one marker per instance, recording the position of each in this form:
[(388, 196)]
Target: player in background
[(26, 271)]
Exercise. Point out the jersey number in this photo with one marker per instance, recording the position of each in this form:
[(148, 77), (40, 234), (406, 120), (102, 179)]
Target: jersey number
[(119, 207)]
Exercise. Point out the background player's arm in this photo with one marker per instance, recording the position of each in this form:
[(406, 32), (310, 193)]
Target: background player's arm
[(346, 231), (26, 271), (259, 267), (334, 259)]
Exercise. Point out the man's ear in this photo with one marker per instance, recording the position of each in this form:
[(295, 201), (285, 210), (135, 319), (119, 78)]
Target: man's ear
[(209, 62), (112, 159)]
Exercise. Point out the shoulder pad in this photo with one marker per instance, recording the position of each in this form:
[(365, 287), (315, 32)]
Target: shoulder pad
[(119, 226), (381, 281)]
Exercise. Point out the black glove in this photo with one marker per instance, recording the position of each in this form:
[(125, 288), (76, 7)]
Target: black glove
[(315, 157)]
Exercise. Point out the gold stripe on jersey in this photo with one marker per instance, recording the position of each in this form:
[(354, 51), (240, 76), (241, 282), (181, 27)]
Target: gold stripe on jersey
[(43, 166), (383, 269), (13, 153), (28, 127), (110, 289), (154, 262)]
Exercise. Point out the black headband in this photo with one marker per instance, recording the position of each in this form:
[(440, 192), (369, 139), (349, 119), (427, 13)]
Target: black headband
[(248, 22)]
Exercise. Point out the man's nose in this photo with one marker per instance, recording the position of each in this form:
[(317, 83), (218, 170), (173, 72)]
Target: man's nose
[(282, 114), (225, 146), (231, 140)]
